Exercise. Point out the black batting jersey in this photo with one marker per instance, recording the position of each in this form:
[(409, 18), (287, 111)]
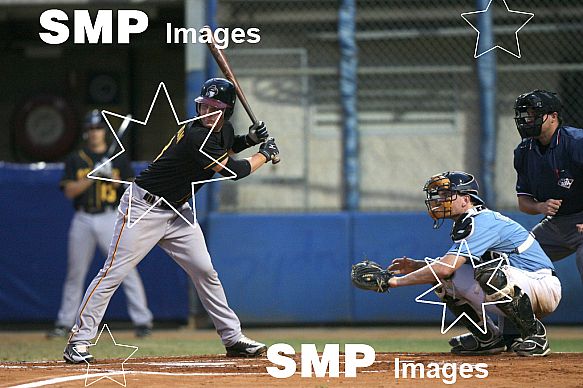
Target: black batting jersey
[(101, 194), (183, 161)]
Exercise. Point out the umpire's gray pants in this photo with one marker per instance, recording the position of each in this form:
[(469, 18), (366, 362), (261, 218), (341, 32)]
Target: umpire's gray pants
[(134, 236), (86, 232), (559, 238)]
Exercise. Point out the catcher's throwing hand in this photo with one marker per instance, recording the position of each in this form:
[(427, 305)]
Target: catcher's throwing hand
[(405, 265), (369, 275)]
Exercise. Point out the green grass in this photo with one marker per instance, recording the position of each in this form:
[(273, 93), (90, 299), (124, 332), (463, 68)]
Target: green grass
[(32, 346), (379, 345), (47, 350)]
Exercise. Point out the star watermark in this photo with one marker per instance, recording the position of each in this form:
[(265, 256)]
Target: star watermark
[(110, 373), (524, 15), (93, 174), (431, 262)]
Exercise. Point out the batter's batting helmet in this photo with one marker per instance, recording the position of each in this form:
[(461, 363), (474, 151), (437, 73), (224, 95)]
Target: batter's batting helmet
[(530, 108), (219, 93), (442, 189), (94, 119)]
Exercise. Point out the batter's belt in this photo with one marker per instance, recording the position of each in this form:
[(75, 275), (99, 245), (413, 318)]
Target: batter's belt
[(152, 199)]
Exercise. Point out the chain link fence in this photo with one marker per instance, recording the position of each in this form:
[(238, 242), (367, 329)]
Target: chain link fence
[(418, 99)]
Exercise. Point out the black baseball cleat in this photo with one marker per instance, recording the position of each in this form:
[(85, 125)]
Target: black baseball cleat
[(515, 345), (76, 353), (511, 341), (535, 345), (143, 331), (469, 344), (58, 332), (246, 347)]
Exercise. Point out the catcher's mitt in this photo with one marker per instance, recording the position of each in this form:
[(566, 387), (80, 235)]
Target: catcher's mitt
[(369, 275)]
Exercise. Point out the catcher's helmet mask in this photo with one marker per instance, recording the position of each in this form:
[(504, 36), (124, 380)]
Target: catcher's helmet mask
[(442, 189), (531, 107), (219, 93)]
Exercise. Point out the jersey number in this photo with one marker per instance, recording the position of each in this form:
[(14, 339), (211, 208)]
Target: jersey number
[(107, 193)]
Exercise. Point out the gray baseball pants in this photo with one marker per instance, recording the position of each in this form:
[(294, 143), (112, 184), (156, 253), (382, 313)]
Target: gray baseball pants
[(85, 233), (559, 238), (132, 241)]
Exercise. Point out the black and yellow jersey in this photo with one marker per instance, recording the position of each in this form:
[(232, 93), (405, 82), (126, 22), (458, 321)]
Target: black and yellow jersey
[(101, 194), (181, 162)]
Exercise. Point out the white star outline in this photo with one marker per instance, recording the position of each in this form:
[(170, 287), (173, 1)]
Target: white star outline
[(430, 262), (105, 114), (107, 376), (476, 55)]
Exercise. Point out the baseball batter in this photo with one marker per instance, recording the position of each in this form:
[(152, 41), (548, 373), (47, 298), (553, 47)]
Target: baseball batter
[(471, 272), (95, 205), (169, 176), (549, 167)]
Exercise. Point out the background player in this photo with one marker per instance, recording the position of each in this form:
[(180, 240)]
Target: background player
[(95, 203), (469, 274), (169, 177), (549, 164)]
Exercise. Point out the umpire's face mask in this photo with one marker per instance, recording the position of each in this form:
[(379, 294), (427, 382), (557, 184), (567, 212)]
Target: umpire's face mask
[(528, 121)]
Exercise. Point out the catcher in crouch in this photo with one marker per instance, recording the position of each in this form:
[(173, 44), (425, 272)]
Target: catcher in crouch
[(492, 259)]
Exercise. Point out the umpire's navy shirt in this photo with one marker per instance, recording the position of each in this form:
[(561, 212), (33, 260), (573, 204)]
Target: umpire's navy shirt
[(552, 173)]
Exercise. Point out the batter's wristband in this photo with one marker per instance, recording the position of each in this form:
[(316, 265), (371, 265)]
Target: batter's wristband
[(241, 143), (240, 167)]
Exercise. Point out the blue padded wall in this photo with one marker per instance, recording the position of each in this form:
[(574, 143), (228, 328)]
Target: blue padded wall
[(34, 221), (276, 268), (283, 268)]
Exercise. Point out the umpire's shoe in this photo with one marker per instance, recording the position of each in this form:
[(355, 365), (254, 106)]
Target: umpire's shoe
[(76, 353), (535, 345), (469, 344), (246, 347)]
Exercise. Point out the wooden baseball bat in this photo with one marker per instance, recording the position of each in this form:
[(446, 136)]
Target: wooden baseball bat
[(223, 63)]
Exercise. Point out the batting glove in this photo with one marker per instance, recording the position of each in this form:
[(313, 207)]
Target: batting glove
[(257, 133)]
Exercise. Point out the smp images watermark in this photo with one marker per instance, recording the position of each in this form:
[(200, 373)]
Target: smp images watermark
[(357, 357), (99, 27), (448, 372)]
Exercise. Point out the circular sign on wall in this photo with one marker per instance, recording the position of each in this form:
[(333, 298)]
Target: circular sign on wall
[(103, 89), (44, 128)]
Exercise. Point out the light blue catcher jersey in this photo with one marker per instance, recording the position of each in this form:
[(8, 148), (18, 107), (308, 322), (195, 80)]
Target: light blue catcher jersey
[(492, 231)]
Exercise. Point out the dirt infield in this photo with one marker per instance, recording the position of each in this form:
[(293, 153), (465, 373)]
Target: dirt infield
[(556, 370)]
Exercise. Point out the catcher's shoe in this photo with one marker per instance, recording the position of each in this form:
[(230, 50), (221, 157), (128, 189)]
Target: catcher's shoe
[(246, 347), (469, 344), (76, 353), (535, 345), (515, 345), (512, 341)]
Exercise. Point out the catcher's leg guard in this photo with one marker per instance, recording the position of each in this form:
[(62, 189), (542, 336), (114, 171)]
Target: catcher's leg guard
[(532, 330), (475, 342), (518, 310)]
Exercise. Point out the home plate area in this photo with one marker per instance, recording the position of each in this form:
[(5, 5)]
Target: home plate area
[(426, 369)]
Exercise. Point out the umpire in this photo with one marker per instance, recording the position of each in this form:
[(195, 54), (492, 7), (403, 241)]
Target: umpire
[(549, 164)]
